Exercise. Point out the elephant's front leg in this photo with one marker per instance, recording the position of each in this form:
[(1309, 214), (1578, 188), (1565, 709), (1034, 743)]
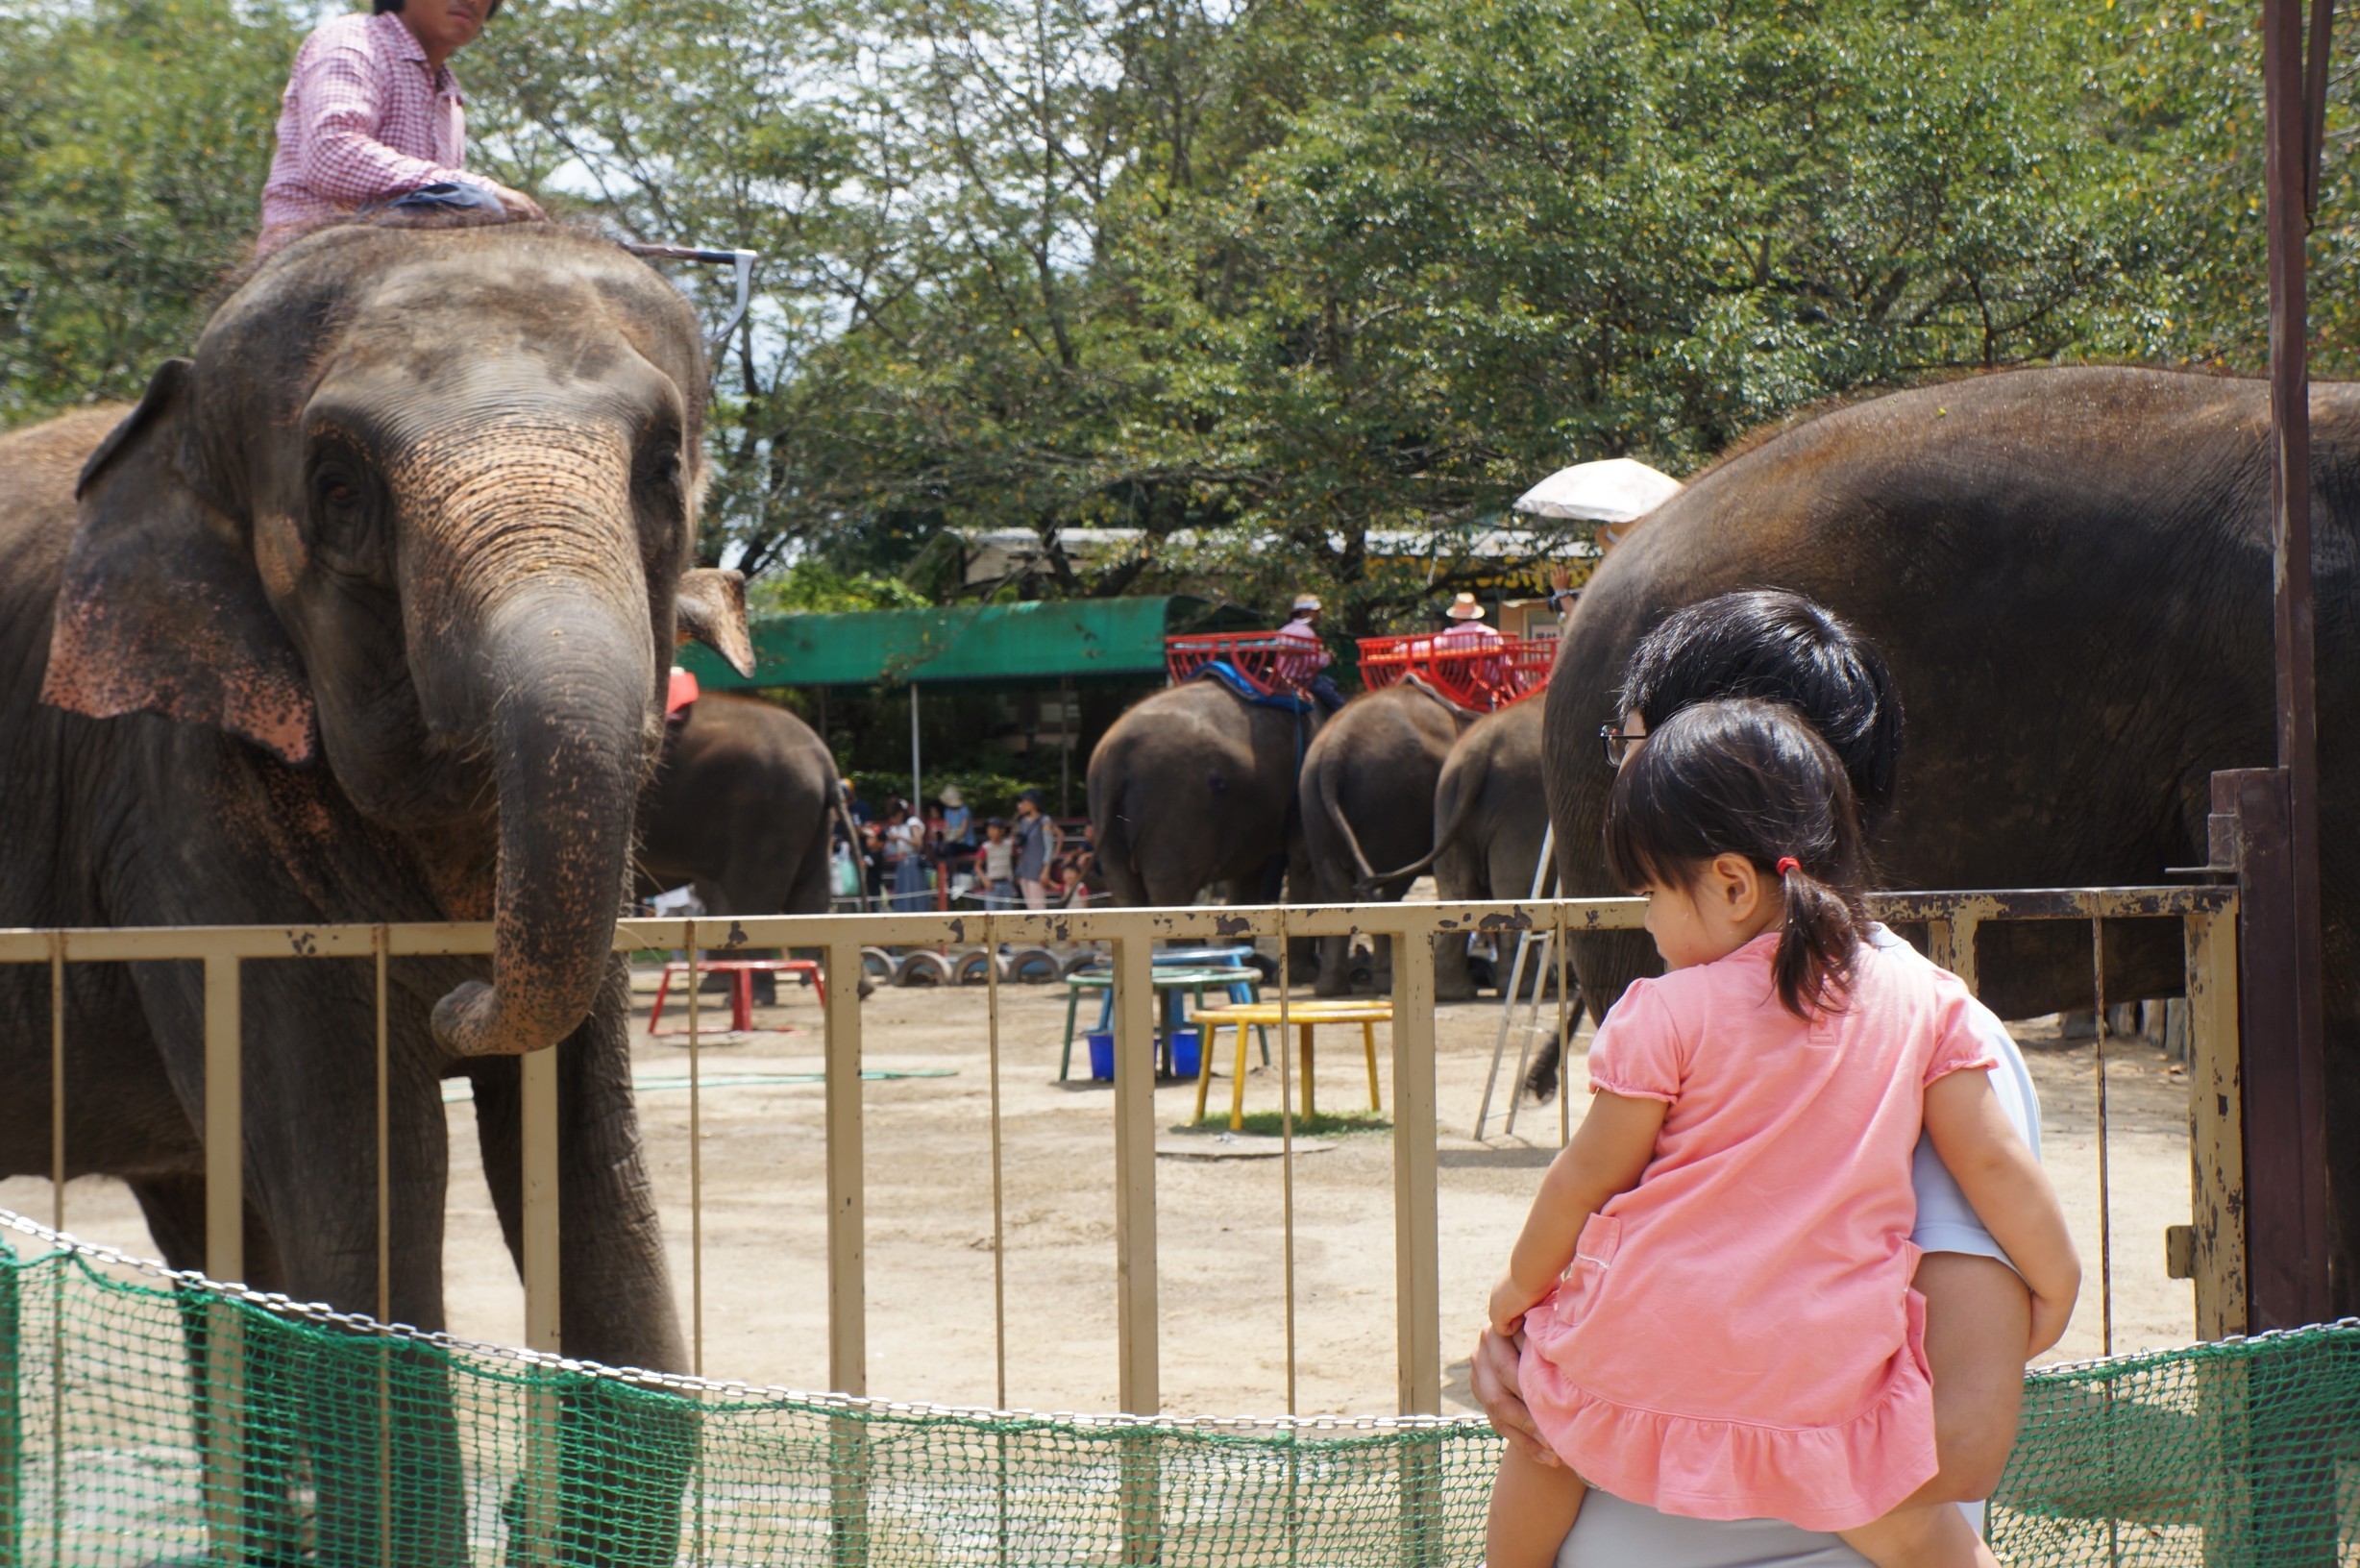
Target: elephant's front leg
[(620, 1487)]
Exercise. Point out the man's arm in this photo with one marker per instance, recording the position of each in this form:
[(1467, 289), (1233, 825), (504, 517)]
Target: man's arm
[(342, 107)]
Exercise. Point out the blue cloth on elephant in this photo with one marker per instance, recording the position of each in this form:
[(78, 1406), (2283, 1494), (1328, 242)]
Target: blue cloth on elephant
[(1222, 670), (445, 196)]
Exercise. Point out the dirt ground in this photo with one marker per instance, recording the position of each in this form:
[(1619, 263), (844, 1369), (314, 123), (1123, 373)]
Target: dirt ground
[(1221, 1255)]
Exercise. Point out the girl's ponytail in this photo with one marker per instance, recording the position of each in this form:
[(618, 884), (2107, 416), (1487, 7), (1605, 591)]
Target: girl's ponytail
[(1750, 778), (1822, 931)]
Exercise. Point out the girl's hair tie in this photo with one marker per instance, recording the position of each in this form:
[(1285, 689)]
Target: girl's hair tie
[(1788, 863)]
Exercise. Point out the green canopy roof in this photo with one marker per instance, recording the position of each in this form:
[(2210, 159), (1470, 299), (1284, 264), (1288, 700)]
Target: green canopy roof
[(1043, 640)]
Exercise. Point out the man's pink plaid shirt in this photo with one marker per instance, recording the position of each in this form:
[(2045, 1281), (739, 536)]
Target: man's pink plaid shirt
[(364, 119)]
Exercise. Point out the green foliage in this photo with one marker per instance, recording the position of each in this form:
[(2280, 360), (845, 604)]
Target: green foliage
[(133, 138), (1307, 291), (812, 586)]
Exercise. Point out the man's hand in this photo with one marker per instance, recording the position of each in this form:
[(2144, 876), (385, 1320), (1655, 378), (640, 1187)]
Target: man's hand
[(518, 204), (1491, 1378)]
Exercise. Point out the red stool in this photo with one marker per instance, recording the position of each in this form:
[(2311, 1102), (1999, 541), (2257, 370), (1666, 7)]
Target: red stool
[(741, 972)]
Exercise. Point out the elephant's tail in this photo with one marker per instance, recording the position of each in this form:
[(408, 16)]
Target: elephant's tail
[(1114, 857), (1469, 783), (1333, 809)]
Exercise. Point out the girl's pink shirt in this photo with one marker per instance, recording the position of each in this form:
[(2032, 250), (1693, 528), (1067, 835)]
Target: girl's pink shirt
[(1736, 1337)]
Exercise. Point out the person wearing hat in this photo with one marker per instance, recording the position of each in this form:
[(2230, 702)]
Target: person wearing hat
[(1303, 655), (958, 823), (1474, 644), (1036, 844), (372, 115)]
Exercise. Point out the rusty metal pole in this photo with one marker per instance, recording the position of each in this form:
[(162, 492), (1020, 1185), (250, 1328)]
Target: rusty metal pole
[(2286, 1088)]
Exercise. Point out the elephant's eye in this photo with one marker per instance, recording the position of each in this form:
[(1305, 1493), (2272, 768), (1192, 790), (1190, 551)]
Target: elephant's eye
[(335, 492)]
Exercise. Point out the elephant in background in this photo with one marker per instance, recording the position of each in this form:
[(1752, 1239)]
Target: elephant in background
[(2069, 573), (1194, 787), (1367, 791), (740, 808), (363, 614), (1489, 819)]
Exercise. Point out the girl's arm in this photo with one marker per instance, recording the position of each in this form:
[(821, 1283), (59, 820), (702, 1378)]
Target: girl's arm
[(2011, 1193), (1617, 1140)]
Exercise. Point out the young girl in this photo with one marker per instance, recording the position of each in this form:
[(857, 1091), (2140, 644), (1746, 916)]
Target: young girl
[(1714, 1280)]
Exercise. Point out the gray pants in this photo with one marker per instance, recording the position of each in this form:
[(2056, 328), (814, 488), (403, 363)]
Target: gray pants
[(1612, 1533)]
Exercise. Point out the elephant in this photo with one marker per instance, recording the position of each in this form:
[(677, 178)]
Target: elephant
[(363, 614), (2069, 573), (1488, 823), (1194, 787), (1367, 793), (740, 809)]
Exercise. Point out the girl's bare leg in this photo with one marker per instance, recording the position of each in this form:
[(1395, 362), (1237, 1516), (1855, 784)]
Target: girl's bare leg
[(1533, 1508), (1913, 1535)]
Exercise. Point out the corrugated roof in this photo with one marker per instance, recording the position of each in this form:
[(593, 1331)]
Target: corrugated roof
[(1039, 640)]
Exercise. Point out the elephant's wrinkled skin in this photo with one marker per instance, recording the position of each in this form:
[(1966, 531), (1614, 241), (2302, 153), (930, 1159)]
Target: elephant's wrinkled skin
[(1194, 787), (1368, 794), (739, 809), (362, 615), (2069, 572)]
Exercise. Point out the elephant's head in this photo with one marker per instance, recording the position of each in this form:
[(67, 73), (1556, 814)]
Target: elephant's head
[(421, 509)]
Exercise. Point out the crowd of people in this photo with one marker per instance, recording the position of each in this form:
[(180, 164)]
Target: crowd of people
[(942, 855)]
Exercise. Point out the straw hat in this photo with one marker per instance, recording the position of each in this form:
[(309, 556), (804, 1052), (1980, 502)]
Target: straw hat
[(1307, 602), (951, 798), (1464, 609)]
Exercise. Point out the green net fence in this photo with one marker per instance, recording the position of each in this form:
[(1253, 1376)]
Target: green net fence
[(152, 1418)]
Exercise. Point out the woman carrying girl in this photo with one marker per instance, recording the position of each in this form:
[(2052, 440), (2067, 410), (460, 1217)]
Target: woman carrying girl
[(1736, 1337)]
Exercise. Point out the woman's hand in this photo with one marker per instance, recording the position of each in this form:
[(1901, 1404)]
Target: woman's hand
[(1491, 1378)]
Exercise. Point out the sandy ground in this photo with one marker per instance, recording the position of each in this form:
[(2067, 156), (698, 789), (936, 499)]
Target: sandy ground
[(1221, 1250)]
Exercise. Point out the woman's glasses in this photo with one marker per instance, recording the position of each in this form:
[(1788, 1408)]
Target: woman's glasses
[(1618, 745)]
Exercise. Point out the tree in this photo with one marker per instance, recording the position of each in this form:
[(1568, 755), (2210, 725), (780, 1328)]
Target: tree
[(133, 138)]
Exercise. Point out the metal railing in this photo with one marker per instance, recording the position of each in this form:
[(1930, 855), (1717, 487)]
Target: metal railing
[(2214, 1247)]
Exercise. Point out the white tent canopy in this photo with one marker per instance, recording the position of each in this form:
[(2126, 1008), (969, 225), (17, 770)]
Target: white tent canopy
[(1611, 490)]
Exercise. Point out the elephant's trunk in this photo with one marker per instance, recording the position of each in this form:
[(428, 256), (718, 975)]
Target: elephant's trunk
[(554, 670), (566, 733)]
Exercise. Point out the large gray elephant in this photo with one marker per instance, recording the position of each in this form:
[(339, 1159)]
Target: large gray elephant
[(362, 614), (740, 809), (2069, 573), (1368, 794), (1194, 787)]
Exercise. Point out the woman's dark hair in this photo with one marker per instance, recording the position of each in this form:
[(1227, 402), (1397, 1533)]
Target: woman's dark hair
[(1782, 648), (1750, 778)]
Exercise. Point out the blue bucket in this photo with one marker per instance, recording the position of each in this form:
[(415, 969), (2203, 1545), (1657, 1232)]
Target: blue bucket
[(1184, 1054)]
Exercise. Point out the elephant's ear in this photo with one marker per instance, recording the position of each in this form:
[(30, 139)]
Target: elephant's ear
[(161, 610), (711, 610)]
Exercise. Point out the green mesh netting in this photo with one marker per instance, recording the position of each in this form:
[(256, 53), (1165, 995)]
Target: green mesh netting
[(145, 1419)]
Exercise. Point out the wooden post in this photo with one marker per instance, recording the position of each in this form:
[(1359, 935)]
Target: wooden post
[(2215, 1128), (536, 1545), (2285, 1059)]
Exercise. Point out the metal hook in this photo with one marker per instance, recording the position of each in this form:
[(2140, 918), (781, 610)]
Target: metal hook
[(742, 264)]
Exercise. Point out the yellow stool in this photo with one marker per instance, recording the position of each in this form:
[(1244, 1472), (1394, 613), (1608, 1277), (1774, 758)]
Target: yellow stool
[(1304, 1016)]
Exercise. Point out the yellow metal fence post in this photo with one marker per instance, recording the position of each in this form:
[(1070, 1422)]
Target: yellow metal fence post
[(1417, 1269), (848, 1280), (1138, 1350), (544, 1309), (225, 1261)]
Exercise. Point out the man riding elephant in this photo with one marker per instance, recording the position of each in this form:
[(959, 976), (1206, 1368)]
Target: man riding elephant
[(371, 113)]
